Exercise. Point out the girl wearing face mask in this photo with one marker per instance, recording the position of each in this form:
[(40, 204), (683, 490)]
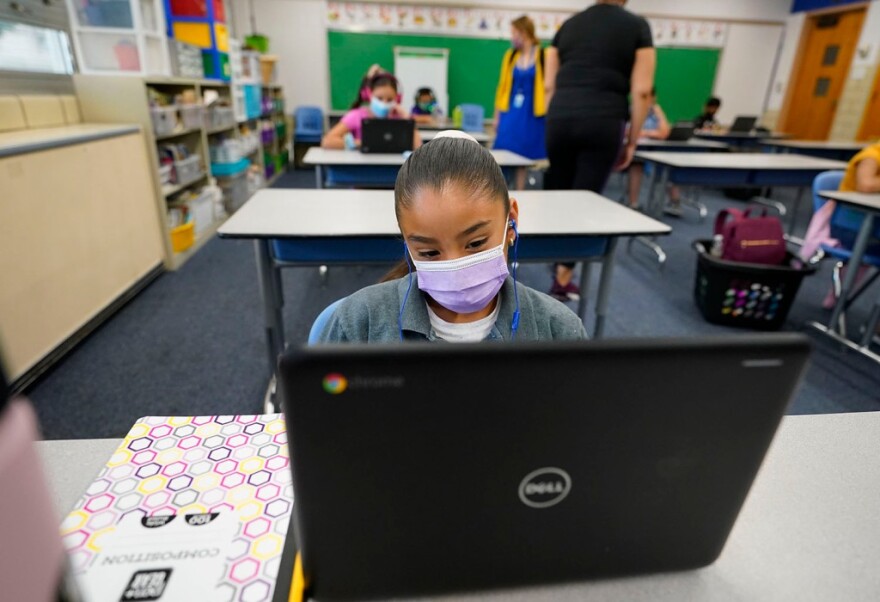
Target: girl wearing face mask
[(382, 105), (519, 99), (459, 230)]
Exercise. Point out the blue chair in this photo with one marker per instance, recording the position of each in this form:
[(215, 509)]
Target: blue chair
[(845, 225), (309, 124), (321, 321), (472, 117)]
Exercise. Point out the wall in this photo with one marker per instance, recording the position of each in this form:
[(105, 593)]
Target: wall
[(782, 76), (859, 85), (298, 35), (743, 81)]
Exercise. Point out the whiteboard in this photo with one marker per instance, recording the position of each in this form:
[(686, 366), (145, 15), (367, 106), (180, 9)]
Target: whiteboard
[(418, 68)]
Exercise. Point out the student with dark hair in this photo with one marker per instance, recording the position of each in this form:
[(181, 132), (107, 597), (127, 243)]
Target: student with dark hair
[(459, 227), (706, 119), (384, 104), (425, 109)]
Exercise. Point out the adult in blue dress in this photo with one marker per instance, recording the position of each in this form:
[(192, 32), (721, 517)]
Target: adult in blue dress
[(519, 99)]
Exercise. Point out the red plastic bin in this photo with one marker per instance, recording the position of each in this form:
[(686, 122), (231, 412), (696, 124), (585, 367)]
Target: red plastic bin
[(190, 8)]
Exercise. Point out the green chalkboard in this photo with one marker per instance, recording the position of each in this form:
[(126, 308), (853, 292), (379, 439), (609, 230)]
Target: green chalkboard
[(473, 65), (685, 77)]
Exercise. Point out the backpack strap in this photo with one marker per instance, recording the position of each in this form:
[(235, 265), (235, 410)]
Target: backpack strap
[(722, 217)]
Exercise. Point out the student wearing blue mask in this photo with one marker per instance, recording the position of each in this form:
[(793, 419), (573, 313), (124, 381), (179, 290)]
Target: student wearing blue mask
[(459, 228), (426, 109), (384, 104)]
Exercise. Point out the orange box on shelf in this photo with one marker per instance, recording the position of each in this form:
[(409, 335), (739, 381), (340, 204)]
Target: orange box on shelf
[(183, 237), (198, 34)]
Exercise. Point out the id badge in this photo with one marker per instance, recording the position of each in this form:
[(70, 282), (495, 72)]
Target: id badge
[(519, 100)]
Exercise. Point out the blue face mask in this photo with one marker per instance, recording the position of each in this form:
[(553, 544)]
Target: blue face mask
[(379, 108)]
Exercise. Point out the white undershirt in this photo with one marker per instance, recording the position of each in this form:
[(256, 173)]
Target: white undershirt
[(466, 332)]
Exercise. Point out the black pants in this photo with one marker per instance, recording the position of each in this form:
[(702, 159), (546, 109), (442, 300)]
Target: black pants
[(582, 153)]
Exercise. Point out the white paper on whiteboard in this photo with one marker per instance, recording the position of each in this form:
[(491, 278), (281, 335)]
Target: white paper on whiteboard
[(418, 68)]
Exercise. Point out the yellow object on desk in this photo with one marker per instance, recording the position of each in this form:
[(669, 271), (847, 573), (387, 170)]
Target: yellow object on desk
[(183, 237)]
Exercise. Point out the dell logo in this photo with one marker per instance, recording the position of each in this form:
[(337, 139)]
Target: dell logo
[(544, 487)]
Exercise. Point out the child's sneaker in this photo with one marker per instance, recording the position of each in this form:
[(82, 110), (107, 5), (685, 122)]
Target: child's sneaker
[(569, 292)]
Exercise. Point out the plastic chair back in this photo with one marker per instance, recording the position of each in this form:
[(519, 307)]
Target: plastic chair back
[(309, 121), (321, 321), (472, 117), (827, 180)]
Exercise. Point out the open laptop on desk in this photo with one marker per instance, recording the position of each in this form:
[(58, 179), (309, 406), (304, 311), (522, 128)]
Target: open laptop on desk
[(743, 124), (436, 468), (387, 135), (681, 131)]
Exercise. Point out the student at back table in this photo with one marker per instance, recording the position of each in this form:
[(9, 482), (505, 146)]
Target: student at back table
[(458, 225), (383, 92), (706, 120), (656, 127), (426, 109)]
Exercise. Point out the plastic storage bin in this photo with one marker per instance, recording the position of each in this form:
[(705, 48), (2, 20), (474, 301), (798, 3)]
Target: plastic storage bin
[(228, 151), (166, 174), (218, 118), (106, 13), (191, 116), (235, 191), (746, 295), (201, 209), (188, 170), (183, 237), (164, 119)]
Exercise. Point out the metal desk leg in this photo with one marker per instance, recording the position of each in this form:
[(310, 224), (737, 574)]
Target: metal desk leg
[(871, 326), (319, 177), (654, 209), (604, 288), (693, 200), (586, 268), (270, 291), (853, 271)]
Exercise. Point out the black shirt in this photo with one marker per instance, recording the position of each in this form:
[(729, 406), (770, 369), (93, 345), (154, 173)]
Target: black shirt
[(704, 120), (597, 50)]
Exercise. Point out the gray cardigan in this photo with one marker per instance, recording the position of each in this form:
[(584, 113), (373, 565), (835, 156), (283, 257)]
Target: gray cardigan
[(371, 316)]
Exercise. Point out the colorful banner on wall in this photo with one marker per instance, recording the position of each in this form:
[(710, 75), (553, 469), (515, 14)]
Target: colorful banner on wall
[(495, 23)]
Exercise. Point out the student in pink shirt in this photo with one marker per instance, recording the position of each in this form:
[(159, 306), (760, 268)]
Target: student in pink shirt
[(384, 95)]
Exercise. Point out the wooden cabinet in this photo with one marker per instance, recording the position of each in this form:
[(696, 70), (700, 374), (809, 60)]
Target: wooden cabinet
[(78, 229)]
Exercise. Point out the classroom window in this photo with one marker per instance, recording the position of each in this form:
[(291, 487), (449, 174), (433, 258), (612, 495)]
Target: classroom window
[(830, 56), (823, 84), (35, 49)]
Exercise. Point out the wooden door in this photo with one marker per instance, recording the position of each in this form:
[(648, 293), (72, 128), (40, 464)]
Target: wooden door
[(870, 129), (823, 68)]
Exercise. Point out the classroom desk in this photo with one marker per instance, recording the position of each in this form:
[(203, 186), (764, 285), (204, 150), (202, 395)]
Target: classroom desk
[(808, 531), (825, 149), (691, 145), (379, 170), (429, 134), (870, 204), (354, 227), (730, 170), (741, 140)]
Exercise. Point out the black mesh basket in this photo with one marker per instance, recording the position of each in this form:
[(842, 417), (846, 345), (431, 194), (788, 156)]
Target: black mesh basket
[(746, 295)]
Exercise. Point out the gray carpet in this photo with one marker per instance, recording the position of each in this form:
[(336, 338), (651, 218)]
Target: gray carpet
[(192, 342)]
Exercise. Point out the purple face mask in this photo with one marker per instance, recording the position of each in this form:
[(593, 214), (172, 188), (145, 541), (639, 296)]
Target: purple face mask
[(466, 284)]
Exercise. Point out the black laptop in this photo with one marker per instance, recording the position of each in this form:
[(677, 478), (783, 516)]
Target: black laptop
[(437, 468), (681, 131), (743, 124), (387, 135)]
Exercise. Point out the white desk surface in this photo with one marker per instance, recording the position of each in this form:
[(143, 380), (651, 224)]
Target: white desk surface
[(742, 135), (331, 157), (818, 144), (428, 134), (28, 141), (857, 199), (691, 142), (809, 531), (762, 161), (291, 213)]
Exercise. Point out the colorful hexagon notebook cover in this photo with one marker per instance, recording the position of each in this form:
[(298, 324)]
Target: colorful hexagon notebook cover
[(202, 464)]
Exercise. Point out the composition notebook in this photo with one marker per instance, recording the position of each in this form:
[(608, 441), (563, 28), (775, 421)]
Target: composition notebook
[(230, 471)]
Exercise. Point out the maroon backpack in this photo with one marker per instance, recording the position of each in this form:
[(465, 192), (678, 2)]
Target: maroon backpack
[(750, 239)]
